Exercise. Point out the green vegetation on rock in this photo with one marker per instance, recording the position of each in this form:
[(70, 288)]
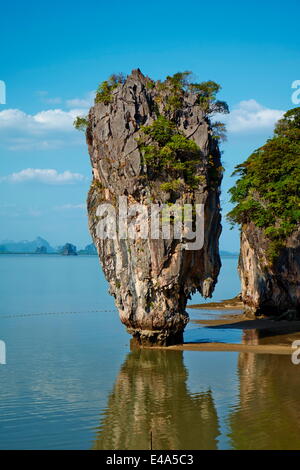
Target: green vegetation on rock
[(163, 145), (206, 97), (268, 190), (173, 185), (180, 83), (170, 150), (80, 123), (105, 89)]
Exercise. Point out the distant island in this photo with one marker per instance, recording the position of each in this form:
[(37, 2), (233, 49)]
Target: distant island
[(40, 246), (228, 254)]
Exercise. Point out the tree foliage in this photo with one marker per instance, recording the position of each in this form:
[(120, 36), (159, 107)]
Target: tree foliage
[(206, 97), (165, 148), (80, 123), (268, 190), (180, 83)]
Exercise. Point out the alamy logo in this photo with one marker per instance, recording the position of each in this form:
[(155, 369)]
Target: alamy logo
[(2, 352), (2, 92), (296, 94), (133, 221)]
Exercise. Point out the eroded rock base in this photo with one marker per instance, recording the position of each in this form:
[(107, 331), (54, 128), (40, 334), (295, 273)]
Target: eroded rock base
[(150, 338)]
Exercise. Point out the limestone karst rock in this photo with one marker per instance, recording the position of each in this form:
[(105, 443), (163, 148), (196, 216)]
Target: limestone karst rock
[(68, 250), (269, 288), (267, 198), (151, 279)]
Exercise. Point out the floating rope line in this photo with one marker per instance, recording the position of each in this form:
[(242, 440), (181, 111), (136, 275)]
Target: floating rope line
[(20, 315)]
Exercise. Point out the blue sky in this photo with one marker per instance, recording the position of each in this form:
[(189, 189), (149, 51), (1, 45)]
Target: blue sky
[(53, 55)]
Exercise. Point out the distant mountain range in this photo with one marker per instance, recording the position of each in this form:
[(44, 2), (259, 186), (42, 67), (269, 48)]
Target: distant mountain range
[(42, 246), (228, 253)]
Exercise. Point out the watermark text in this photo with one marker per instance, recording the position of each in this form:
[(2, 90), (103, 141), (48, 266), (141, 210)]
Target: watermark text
[(184, 222)]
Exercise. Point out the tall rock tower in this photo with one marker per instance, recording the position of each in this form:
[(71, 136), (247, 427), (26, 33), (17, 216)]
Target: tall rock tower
[(152, 143)]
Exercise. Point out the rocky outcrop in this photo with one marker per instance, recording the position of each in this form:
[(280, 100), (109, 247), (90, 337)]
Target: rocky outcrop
[(269, 288), (88, 250), (68, 250), (151, 279)]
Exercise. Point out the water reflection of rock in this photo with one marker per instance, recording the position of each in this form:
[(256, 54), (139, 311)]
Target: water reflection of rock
[(150, 394), (284, 336), (268, 414)]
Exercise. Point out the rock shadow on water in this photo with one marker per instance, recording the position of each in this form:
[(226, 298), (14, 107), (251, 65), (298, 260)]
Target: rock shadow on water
[(150, 396), (262, 331)]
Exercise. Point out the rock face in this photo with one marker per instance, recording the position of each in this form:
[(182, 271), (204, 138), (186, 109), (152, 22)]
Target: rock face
[(269, 288), (151, 279)]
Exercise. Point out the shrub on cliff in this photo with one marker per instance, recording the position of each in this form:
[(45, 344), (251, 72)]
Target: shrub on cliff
[(104, 91), (206, 97), (171, 150), (163, 145), (178, 84), (268, 190), (80, 123)]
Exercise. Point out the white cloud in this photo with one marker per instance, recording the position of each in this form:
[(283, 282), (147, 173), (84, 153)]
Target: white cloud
[(48, 176), (44, 121), (43, 94), (31, 143), (47, 129), (85, 102), (56, 119), (56, 100), (250, 116), (70, 207)]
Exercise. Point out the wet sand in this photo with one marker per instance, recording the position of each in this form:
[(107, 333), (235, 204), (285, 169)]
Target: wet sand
[(243, 322), (229, 304), (260, 335), (229, 347)]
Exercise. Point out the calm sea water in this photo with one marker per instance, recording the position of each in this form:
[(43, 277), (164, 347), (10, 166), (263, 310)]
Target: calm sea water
[(71, 381)]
